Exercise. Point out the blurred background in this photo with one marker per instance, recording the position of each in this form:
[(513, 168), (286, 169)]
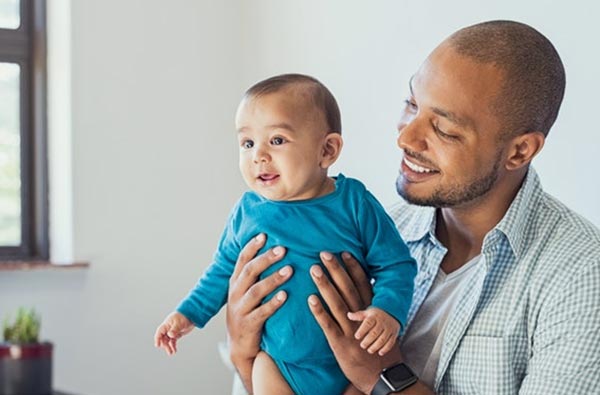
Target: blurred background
[(143, 152)]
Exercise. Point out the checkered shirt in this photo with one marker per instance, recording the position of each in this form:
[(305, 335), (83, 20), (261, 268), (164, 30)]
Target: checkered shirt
[(529, 320)]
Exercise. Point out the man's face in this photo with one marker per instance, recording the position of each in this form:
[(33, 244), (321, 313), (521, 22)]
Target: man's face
[(281, 138), (452, 153)]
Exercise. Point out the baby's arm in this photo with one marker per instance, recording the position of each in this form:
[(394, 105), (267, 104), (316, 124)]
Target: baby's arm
[(172, 328), (378, 330)]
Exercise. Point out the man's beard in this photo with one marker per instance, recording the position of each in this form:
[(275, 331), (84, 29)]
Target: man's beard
[(454, 195)]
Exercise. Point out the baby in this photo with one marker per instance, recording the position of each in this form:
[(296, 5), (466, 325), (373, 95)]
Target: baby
[(289, 134)]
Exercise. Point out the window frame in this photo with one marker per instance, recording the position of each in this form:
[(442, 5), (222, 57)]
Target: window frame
[(26, 46)]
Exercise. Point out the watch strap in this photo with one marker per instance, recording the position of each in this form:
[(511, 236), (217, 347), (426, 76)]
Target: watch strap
[(386, 385), (381, 388)]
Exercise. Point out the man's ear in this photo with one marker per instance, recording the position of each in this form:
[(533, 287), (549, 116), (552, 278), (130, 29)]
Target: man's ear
[(332, 146), (523, 148)]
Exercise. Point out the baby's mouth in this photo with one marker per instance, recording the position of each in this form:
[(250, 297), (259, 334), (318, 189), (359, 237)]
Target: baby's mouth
[(268, 177)]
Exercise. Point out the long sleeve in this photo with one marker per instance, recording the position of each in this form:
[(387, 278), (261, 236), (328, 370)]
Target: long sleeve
[(388, 260), (210, 293)]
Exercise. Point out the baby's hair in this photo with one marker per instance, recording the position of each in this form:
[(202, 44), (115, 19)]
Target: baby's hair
[(321, 97)]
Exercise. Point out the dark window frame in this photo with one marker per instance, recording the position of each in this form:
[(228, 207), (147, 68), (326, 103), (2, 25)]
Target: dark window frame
[(26, 46)]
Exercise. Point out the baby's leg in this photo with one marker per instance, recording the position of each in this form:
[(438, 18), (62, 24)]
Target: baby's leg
[(266, 377)]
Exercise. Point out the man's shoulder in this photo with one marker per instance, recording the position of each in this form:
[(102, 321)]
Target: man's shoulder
[(570, 219), (561, 260), (559, 246), (549, 231), (565, 230)]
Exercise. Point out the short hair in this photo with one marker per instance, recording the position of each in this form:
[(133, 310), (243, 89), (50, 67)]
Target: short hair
[(534, 75), (321, 97)]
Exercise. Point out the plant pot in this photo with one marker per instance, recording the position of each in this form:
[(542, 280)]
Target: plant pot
[(26, 369)]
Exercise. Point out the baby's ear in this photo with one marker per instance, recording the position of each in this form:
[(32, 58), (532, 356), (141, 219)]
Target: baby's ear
[(332, 146)]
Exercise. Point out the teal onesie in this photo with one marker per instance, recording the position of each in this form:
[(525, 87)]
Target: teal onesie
[(348, 219)]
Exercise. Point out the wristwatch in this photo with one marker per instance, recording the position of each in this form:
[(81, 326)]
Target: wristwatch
[(394, 379)]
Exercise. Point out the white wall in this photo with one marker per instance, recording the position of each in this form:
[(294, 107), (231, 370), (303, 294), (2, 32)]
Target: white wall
[(367, 51), (154, 89)]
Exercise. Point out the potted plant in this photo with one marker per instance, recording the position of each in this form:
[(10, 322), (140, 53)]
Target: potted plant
[(25, 362)]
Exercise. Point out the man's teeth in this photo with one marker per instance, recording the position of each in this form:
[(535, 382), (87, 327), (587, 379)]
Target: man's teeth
[(416, 168)]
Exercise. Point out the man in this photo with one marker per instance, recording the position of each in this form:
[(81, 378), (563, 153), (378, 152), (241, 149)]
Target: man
[(506, 298)]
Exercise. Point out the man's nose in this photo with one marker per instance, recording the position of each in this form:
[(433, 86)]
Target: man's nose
[(411, 134)]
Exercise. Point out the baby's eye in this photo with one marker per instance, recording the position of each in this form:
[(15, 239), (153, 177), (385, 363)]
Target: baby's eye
[(247, 144), (277, 140)]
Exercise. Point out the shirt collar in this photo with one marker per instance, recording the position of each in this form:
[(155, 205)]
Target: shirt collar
[(420, 224), (518, 217)]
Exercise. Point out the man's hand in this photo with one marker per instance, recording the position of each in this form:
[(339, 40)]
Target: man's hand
[(245, 313), (351, 292)]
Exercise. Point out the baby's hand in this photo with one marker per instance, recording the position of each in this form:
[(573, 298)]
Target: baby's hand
[(378, 330), (173, 328)]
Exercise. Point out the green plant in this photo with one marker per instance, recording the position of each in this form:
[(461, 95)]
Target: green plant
[(25, 328)]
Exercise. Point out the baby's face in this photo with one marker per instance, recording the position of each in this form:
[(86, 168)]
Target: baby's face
[(281, 137)]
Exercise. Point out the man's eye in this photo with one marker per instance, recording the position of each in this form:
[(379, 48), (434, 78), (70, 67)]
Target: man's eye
[(247, 144), (443, 134), (277, 141), (410, 105)]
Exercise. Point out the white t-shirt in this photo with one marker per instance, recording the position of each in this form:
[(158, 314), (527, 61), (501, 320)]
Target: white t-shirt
[(421, 345)]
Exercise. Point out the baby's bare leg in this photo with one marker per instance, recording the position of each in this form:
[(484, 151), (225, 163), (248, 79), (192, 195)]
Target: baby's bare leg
[(266, 377)]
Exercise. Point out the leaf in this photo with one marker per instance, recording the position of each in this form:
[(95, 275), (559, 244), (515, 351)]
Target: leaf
[(25, 329)]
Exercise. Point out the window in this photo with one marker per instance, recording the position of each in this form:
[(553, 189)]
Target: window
[(23, 166)]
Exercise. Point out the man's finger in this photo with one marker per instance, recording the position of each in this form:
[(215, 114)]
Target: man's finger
[(251, 271), (330, 328), (332, 299), (247, 254), (258, 291), (359, 279), (260, 314), (342, 281)]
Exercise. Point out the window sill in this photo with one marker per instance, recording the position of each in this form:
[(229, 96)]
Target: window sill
[(40, 265)]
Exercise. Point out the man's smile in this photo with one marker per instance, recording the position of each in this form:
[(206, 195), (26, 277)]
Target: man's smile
[(413, 172), (417, 168)]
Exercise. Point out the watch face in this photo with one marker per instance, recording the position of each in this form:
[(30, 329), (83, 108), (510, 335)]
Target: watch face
[(400, 375)]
